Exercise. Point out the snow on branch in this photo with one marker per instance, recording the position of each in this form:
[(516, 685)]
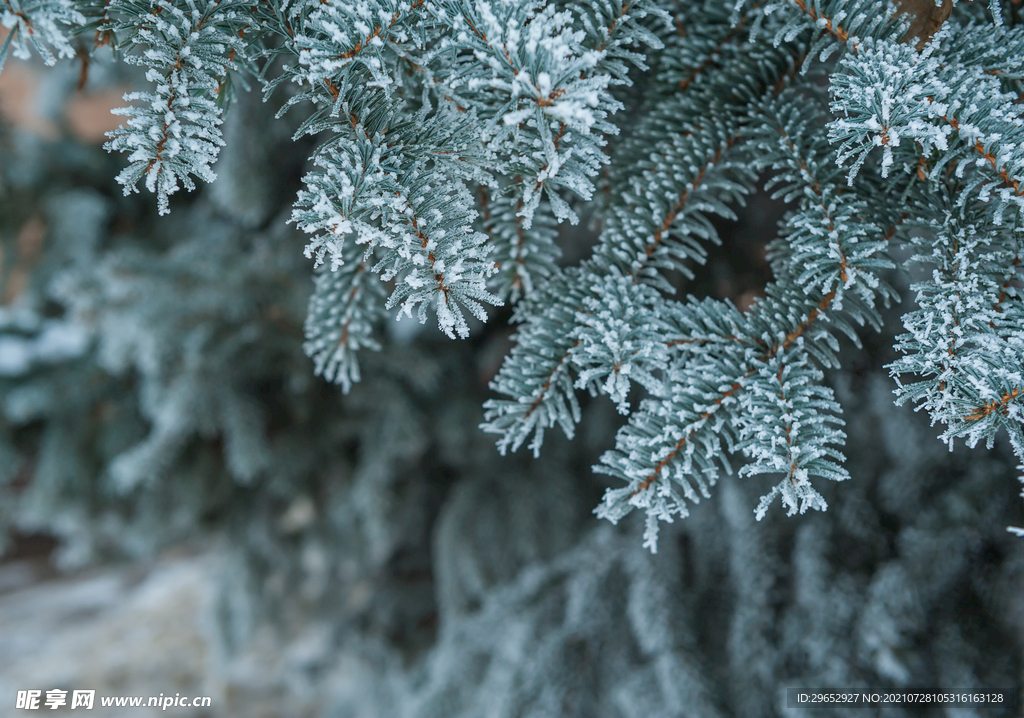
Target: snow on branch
[(417, 221), (46, 25), (173, 131), (963, 349), (929, 116)]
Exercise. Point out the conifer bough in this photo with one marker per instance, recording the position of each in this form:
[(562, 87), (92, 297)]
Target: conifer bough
[(457, 135)]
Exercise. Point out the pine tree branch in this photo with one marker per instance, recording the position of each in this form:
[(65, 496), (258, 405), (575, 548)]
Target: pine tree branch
[(826, 23), (1000, 405), (680, 204), (729, 38), (999, 170), (702, 417)]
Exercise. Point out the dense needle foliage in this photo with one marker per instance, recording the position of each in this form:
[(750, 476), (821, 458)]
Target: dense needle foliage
[(454, 137)]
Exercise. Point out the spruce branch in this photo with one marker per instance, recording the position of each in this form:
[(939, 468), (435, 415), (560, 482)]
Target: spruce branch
[(950, 113), (963, 344), (174, 133), (45, 25), (771, 389), (656, 230), (525, 259), (345, 312), (418, 220)]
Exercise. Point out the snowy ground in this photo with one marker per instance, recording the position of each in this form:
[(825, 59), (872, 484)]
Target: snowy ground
[(133, 630)]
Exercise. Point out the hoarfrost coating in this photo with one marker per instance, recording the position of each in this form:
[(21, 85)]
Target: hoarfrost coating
[(457, 140)]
